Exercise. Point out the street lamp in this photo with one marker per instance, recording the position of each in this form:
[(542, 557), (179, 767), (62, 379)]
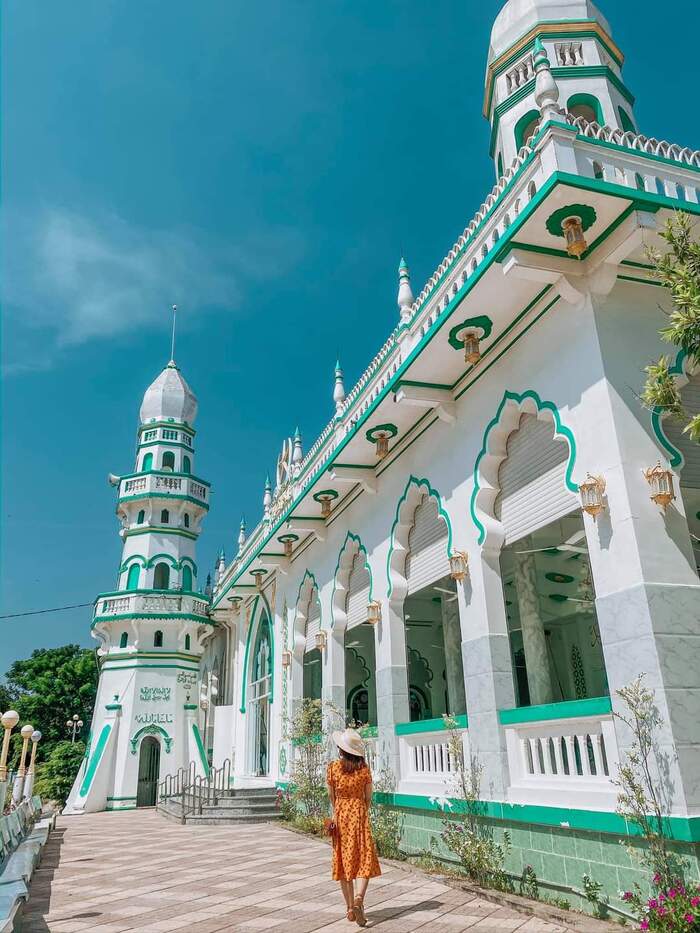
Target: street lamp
[(74, 725), (26, 732), (9, 720), (29, 783)]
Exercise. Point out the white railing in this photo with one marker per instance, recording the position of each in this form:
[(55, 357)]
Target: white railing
[(135, 603), (134, 485), (427, 764), (568, 53), (520, 74), (163, 483), (563, 761)]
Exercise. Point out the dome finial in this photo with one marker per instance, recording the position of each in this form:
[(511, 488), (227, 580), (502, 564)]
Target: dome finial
[(297, 453), (241, 536), (172, 341), (546, 89), (338, 389), (267, 496), (405, 297)]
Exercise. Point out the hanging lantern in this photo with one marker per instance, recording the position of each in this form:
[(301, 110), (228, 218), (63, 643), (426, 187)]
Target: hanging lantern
[(661, 482), (286, 659), (592, 495), (321, 641), (325, 507), (325, 497), (235, 603), (472, 353), (259, 575), (573, 234), (374, 612), (288, 542), (382, 441), (459, 565)]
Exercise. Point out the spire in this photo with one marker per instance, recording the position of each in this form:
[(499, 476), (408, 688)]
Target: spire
[(267, 496), (405, 296), (172, 342), (339, 389), (220, 568), (207, 589), (241, 536), (546, 89), (297, 453)]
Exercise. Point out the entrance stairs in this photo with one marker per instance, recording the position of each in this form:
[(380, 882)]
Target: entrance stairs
[(213, 800)]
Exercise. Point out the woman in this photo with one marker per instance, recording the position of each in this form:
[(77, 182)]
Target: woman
[(354, 852)]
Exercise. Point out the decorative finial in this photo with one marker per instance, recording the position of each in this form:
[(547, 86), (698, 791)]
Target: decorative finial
[(297, 453), (241, 536), (220, 568), (339, 389), (172, 341), (546, 89), (405, 297), (207, 588), (267, 496)]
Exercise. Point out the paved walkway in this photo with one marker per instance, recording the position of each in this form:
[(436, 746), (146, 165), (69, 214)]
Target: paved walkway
[(113, 872)]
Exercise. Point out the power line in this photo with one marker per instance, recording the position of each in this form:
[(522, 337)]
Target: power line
[(37, 612)]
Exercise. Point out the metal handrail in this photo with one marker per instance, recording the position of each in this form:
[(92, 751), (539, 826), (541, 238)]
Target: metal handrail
[(196, 790)]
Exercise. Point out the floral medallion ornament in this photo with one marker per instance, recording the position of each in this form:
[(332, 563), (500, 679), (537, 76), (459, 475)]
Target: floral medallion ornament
[(283, 760)]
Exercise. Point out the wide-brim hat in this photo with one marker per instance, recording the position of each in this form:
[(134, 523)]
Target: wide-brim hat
[(350, 741)]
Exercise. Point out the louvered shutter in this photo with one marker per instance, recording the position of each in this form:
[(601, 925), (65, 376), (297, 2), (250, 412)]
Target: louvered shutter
[(690, 474), (313, 621), (427, 559), (532, 479), (358, 592)]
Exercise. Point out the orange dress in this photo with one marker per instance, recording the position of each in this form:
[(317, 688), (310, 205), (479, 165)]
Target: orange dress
[(354, 851)]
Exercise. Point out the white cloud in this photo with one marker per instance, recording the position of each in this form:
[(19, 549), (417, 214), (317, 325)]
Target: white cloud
[(70, 278)]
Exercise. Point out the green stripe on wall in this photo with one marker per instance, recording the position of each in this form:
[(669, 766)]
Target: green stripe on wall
[(569, 709)]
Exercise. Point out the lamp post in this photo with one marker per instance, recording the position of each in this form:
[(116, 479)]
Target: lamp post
[(9, 720), (18, 787), (74, 725), (208, 692), (29, 783)]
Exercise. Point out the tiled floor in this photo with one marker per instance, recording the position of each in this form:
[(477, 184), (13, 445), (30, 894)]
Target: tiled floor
[(113, 872)]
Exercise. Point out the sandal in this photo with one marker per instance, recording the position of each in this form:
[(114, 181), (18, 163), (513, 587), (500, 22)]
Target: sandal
[(351, 914), (360, 918)]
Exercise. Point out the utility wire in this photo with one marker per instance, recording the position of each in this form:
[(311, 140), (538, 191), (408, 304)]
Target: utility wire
[(37, 612)]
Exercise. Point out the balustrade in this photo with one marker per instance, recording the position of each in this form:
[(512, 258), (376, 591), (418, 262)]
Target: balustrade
[(135, 603), (428, 764), (519, 74), (568, 53)]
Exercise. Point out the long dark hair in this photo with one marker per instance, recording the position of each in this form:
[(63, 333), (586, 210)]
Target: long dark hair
[(351, 763)]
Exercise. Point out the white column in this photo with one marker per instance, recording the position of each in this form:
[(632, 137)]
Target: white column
[(452, 639), (539, 678)]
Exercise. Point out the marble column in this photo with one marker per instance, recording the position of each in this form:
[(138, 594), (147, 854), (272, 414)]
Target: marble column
[(392, 683), (452, 639), (539, 678)]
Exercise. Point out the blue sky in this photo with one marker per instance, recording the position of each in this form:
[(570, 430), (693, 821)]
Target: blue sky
[(261, 165)]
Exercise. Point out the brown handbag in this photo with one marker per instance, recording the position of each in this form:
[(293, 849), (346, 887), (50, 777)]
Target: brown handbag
[(330, 829)]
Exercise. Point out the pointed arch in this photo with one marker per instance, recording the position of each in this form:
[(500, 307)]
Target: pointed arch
[(152, 729), (413, 492), (265, 611), (307, 587), (493, 452), (352, 546), (163, 557), (134, 558)]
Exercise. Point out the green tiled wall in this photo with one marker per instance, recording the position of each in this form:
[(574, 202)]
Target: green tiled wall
[(560, 857)]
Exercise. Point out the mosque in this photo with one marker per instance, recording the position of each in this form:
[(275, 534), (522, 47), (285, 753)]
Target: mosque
[(490, 525)]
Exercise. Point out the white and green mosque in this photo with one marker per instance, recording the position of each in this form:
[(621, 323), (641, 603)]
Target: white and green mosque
[(490, 525)]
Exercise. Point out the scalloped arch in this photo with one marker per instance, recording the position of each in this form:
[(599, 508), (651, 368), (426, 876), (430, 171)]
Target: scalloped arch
[(308, 584), (352, 546), (134, 558), (151, 729), (493, 450)]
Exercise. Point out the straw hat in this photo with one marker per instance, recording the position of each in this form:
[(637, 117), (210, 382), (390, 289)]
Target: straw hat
[(350, 741)]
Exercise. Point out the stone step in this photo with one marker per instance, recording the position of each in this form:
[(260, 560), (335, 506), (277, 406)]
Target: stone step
[(234, 803), (217, 818), (253, 809)]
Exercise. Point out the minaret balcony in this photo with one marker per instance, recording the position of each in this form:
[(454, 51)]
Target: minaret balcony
[(150, 603), (164, 485)]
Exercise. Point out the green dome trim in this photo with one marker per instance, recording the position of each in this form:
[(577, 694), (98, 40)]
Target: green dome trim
[(584, 211)]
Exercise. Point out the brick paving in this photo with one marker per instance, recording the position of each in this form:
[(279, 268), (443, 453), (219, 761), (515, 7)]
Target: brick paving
[(135, 871)]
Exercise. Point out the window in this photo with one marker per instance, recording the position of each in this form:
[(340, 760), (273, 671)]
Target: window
[(586, 106), (164, 517), (187, 578), (187, 439), (124, 640), (639, 181), (150, 435), (525, 127), (597, 170), (169, 434), (147, 463), (132, 580), (141, 517), (186, 464), (499, 165), (188, 642), (531, 190), (168, 461), (158, 639), (187, 519), (161, 577)]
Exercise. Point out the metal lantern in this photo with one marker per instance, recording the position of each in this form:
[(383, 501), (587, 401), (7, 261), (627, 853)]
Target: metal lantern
[(382, 441), (259, 576), (592, 495), (472, 353), (573, 234), (287, 547), (321, 641), (286, 659), (374, 612), (459, 565), (325, 507), (661, 482)]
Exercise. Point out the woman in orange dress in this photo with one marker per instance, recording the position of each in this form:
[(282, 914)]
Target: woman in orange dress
[(354, 852)]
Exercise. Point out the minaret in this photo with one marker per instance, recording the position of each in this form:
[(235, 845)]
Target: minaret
[(405, 297), (338, 389), (151, 629)]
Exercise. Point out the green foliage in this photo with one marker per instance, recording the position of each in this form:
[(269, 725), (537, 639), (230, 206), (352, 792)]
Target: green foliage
[(386, 822), (678, 268), (55, 776), (307, 805), (528, 886), (592, 892), (50, 686)]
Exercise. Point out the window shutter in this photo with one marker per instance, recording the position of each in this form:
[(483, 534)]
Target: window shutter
[(427, 559), (532, 479), (358, 592), (690, 474), (313, 621)]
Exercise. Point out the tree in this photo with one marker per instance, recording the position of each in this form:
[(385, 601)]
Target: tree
[(50, 686), (55, 775), (679, 270)]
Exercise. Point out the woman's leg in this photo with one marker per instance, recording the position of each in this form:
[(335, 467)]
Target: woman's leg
[(348, 893), (362, 887)]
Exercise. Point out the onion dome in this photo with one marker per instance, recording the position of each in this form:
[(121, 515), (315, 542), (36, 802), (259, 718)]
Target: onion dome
[(518, 17), (169, 397)]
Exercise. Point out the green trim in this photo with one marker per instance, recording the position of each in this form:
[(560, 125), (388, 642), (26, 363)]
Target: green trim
[(350, 536), (171, 425), (429, 725), (140, 667), (587, 100), (416, 481), (190, 706), (169, 473), (121, 798), (95, 759), (151, 729), (560, 428), (163, 529), (247, 653), (203, 620), (113, 706), (676, 458), (200, 748), (109, 809), (388, 428), (569, 709), (164, 444), (151, 655), (633, 278), (532, 116), (585, 212), (164, 495), (484, 323), (682, 829), (325, 494)]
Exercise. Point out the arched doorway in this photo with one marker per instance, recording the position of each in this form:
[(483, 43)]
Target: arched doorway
[(149, 768), (260, 691)]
